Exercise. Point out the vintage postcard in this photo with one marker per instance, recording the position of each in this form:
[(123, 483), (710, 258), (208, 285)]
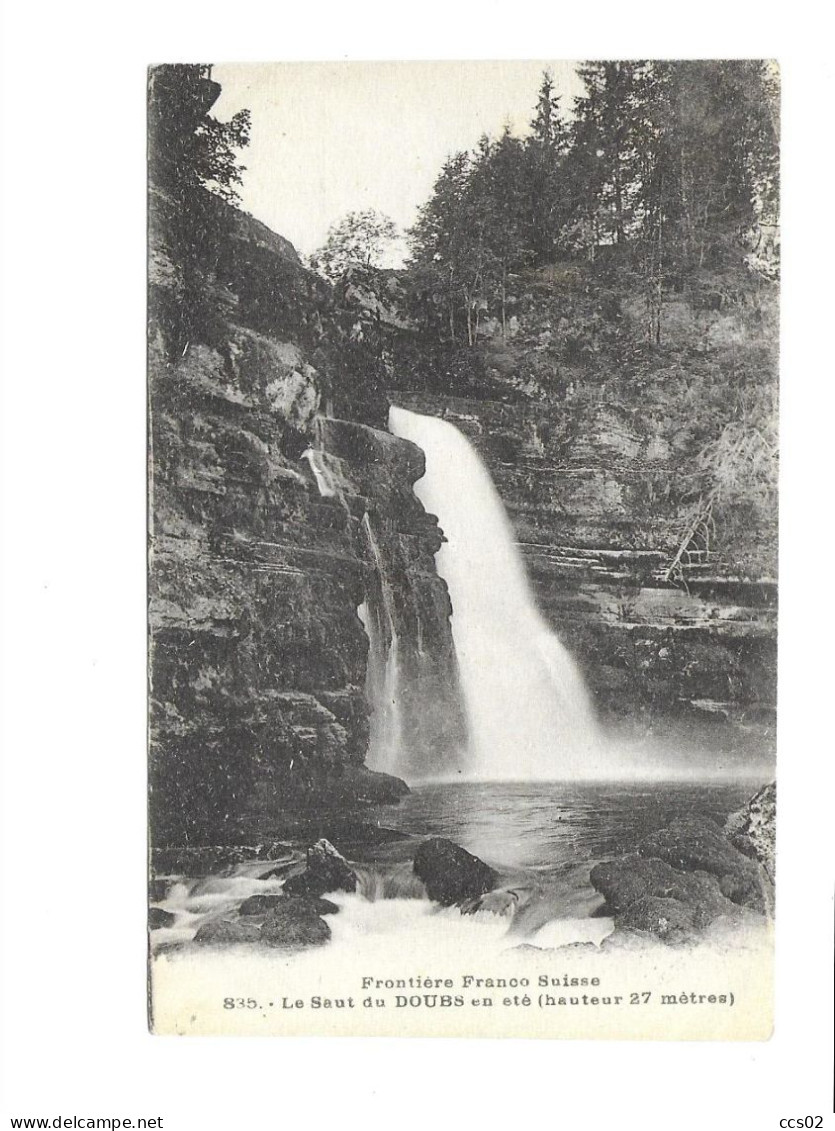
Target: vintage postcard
[(463, 548)]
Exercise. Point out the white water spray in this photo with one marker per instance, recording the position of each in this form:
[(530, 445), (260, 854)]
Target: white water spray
[(383, 685), (528, 709)]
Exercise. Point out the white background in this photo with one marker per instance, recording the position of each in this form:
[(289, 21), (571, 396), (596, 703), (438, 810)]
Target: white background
[(73, 588)]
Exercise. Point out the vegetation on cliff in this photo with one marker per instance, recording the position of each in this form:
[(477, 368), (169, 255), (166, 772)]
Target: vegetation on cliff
[(622, 255), (674, 162)]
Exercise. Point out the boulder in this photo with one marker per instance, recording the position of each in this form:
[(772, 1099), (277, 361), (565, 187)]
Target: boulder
[(159, 917), (293, 924), (259, 904), (451, 874), (222, 932), (264, 904), (670, 919), (691, 844), (633, 878), (327, 870)]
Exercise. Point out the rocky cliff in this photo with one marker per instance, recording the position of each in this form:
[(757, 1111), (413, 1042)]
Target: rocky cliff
[(639, 479), (258, 657), (299, 632)]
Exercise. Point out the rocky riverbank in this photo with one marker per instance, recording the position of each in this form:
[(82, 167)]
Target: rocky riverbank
[(684, 878), (680, 882)]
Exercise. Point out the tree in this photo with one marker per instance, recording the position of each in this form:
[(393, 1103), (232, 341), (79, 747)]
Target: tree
[(193, 164), (607, 142), (544, 152), (710, 170), (500, 189), (360, 239), (439, 240), (189, 149)]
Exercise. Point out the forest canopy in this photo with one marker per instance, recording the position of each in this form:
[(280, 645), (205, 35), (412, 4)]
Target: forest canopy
[(673, 164)]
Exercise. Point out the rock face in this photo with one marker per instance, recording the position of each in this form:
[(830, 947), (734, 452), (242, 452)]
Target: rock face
[(604, 452), (407, 608), (450, 874), (326, 870), (259, 660), (753, 828), (701, 646)]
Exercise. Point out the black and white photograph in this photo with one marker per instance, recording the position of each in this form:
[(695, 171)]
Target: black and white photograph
[(416, 634), (462, 482)]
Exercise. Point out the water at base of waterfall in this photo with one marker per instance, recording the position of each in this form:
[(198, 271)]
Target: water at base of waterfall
[(543, 826), (539, 836)]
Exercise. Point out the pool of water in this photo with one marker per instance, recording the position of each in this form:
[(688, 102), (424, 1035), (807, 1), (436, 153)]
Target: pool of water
[(543, 826)]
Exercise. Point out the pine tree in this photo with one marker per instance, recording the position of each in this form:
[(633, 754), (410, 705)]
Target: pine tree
[(607, 138), (544, 153), (439, 240)]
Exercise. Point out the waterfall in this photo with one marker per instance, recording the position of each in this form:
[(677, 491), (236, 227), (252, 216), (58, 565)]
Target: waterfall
[(416, 720), (321, 473), (528, 710), (383, 678)]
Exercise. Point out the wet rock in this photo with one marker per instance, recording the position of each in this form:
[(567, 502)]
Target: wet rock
[(207, 860), (670, 919), (264, 904), (158, 889), (295, 923), (370, 787), (634, 878), (259, 904), (159, 917), (752, 829), (279, 871), (680, 880), (325, 907), (450, 873), (492, 903), (692, 844), (222, 932), (589, 947), (327, 870)]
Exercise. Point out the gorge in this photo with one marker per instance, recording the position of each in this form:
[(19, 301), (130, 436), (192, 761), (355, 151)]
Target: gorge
[(294, 565), (462, 573), (314, 641)]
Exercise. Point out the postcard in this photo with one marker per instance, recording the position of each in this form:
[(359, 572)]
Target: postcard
[(462, 503)]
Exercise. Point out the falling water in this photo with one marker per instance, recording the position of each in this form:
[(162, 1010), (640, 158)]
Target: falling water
[(383, 679), (528, 710), (383, 676), (321, 472)]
